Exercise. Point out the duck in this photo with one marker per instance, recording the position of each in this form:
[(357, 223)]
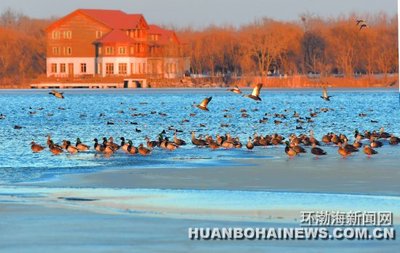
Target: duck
[(255, 95), (289, 151), (124, 145), (151, 144), (71, 149), (326, 139), (110, 143), (55, 150), (80, 146), (383, 134), (102, 148), (369, 151), (166, 144), (131, 149), (57, 94), (36, 148), (198, 142), (325, 94), (343, 152), (203, 105), (250, 144), (235, 90), (298, 149), (177, 141), (375, 143), (143, 151), (393, 140), (317, 151)]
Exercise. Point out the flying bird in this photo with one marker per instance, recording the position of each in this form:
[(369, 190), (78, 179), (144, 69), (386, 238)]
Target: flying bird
[(363, 26), (204, 103), (235, 90), (359, 21), (325, 94), (57, 94), (256, 92)]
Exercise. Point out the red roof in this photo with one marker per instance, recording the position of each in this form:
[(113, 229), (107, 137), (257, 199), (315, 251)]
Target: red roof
[(114, 19), (115, 36), (166, 36)]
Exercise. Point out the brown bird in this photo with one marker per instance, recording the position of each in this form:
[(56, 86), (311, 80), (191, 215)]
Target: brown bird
[(71, 149), (204, 103), (143, 151), (290, 151), (177, 141), (235, 90), (250, 144), (325, 94), (36, 148), (317, 151), (55, 150), (369, 151), (255, 95), (343, 152), (57, 94), (80, 146)]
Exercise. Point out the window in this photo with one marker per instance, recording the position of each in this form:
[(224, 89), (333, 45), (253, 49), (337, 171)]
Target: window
[(122, 68), (53, 68), (122, 50), (109, 68), (56, 50), (69, 50), (109, 50), (144, 67), (67, 35), (99, 34), (62, 68), (132, 50), (55, 35), (83, 67)]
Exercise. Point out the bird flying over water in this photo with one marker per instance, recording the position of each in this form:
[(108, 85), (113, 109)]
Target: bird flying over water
[(359, 21), (204, 103), (325, 94), (57, 94), (235, 90), (256, 92)]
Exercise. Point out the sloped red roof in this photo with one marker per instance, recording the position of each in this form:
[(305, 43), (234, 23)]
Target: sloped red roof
[(114, 19), (166, 36), (115, 36)]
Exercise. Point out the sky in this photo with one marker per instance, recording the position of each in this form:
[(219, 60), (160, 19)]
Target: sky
[(202, 13)]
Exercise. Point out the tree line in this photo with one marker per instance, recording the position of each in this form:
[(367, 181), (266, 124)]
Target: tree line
[(312, 45)]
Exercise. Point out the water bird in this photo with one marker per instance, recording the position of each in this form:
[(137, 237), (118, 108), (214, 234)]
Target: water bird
[(255, 95), (17, 127), (317, 151), (369, 151), (71, 149), (343, 152), (80, 146), (393, 140), (250, 144), (177, 141), (289, 150), (198, 142), (131, 149), (204, 103), (55, 150), (36, 148), (325, 94), (57, 94), (235, 90), (143, 151)]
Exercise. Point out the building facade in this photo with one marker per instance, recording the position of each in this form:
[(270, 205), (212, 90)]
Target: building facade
[(104, 43)]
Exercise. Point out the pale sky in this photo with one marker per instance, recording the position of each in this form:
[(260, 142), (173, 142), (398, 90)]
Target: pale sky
[(201, 13)]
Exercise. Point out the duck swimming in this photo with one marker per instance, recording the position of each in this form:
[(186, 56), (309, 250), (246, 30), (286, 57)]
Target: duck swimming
[(80, 146), (36, 148)]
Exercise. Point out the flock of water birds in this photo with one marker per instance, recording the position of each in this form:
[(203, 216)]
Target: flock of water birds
[(369, 141)]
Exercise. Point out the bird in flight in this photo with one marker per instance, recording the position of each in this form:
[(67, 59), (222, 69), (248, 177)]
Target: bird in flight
[(256, 92), (235, 90), (57, 94), (325, 94), (361, 23), (204, 103)]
